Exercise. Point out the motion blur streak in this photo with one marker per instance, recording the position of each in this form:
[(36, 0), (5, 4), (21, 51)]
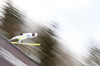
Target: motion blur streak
[(51, 52)]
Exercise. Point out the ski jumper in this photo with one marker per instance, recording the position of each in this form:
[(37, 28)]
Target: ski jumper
[(22, 37)]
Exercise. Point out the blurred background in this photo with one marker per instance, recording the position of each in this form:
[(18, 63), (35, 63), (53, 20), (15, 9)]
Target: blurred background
[(68, 30)]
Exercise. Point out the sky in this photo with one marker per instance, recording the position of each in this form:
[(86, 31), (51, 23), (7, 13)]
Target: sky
[(78, 19)]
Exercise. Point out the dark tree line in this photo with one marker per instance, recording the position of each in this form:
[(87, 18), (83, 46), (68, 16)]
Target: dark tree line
[(11, 20), (49, 54)]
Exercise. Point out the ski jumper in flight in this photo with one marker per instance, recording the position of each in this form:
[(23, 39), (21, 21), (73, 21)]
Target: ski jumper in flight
[(24, 36)]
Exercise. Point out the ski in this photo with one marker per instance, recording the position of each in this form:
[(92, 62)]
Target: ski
[(26, 43)]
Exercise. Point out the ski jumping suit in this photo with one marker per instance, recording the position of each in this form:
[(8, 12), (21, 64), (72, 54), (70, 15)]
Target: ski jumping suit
[(22, 37)]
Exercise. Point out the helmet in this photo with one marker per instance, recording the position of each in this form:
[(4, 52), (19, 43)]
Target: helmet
[(35, 34)]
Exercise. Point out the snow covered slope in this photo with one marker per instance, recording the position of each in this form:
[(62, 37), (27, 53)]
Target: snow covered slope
[(10, 55)]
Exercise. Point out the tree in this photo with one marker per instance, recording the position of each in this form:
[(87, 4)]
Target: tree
[(94, 57), (50, 53), (11, 21), (47, 48)]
